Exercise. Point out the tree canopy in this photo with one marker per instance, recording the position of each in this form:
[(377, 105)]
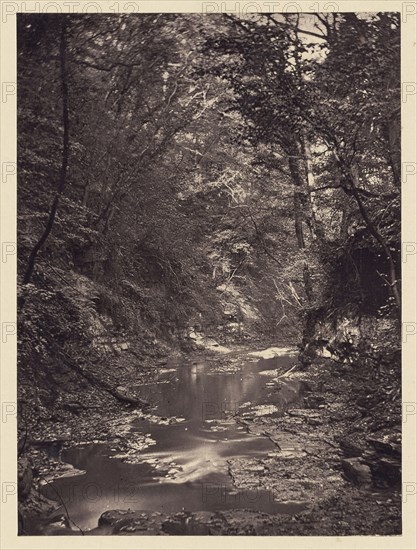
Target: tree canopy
[(210, 166)]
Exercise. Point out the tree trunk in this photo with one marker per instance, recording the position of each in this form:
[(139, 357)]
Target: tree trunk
[(299, 215), (394, 282), (392, 132)]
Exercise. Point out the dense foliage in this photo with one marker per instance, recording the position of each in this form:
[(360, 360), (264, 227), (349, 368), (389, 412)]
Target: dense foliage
[(197, 170)]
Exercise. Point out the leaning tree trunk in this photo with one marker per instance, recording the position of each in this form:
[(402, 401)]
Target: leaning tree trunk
[(64, 159), (372, 228)]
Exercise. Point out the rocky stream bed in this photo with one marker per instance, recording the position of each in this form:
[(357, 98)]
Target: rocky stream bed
[(231, 443)]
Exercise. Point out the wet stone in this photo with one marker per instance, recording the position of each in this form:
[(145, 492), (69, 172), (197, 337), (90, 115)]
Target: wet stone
[(356, 471)]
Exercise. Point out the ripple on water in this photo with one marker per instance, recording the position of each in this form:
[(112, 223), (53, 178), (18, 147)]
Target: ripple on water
[(177, 457)]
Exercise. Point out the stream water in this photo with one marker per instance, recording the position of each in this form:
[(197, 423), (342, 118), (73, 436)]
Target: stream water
[(193, 434)]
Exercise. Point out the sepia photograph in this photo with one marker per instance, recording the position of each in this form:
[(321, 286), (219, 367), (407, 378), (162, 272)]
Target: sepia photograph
[(209, 274)]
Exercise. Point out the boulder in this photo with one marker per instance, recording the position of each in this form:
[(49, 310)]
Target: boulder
[(200, 523), (356, 471), (386, 471), (176, 524), (353, 445), (387, 445), (112, 517)]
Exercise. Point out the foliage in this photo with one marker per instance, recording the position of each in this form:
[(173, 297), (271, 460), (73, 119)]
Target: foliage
[(215, 162)]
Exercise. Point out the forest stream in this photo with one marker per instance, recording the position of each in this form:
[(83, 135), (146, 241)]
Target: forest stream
[(192, 433), (193, 188)]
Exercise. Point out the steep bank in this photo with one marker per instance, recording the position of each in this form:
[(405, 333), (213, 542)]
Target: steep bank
[(84, 344)]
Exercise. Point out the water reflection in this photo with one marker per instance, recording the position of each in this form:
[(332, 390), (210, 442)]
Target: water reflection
[(187, 468)]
